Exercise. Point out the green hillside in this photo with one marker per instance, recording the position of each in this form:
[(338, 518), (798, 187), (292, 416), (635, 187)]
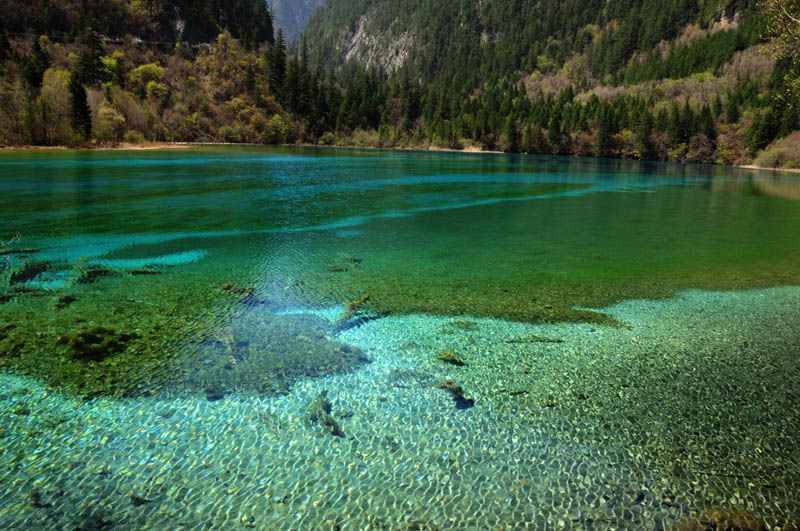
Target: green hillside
[(668, 80)]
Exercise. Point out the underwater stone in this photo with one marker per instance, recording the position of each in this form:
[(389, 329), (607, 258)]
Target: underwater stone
[(534, 339), (65, 301), (235, 289), (270, 351), (93, 273), (450, 356), (37, 500), (96, 343), (29, 271), (214, 393), (94, 521), (320, 410), (137, 500), (462, 401), (721, 518), (146, 272)]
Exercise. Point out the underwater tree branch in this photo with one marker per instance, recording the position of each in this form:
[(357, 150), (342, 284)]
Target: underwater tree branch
[(6, 244)]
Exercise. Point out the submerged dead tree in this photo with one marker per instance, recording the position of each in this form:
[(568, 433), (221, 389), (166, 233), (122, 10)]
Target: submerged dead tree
[(4, 251)]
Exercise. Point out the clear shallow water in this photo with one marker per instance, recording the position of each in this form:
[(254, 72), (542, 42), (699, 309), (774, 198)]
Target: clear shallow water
[(214, 282)]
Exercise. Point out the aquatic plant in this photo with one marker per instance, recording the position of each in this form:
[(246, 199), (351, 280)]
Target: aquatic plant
[(96, 343), (721, 518)]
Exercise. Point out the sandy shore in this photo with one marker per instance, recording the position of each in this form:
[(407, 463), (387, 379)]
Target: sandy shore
[(120, 146), (180, 145), (754, 167)]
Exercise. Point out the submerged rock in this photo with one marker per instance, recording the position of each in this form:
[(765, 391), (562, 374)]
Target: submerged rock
[(137, 500), (29, 271), (721, 519), (65, 301), (237, 289), (92, 274), (461, 400), (214, 393), (534, 339), (320, 411), (136, 272), (450, 356)]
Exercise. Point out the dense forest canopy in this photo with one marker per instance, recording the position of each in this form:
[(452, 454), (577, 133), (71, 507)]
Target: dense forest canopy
[(701, 81), (192, 21)]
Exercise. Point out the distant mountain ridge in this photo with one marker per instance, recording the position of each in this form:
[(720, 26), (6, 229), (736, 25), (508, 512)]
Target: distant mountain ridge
[(468, 41), (292, 15)]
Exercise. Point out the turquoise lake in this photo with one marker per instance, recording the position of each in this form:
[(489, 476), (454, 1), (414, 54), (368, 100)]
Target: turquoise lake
[(298, 338)]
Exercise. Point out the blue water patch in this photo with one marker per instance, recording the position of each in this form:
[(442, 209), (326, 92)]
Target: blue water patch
[(185, 257), (349, 233), (94, 246), (50, 280)]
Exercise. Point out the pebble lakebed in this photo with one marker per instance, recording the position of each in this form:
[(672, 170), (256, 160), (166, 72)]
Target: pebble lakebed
[(691, 404)]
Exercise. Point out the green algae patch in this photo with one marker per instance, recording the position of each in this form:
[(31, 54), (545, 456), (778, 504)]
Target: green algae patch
[(562, 259), (129, 335), (96, 343)]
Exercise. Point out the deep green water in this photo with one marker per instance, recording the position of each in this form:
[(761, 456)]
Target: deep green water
[(144, 240), (225, 271)]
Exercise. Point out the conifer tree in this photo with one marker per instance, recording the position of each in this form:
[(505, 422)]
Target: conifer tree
[(89, 66), (706, 123), (276, 65), (510, 134), (34, 66), (643, 142), (603, 144), (675, 132), (81, 115), (717, 108), (731, 110), (527, 140)]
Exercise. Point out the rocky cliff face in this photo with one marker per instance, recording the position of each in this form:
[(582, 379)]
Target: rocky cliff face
[(388, 51), (292, 15)]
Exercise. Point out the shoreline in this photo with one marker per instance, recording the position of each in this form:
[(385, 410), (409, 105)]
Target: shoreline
[(754, 167), (122, 146), (152, 146)]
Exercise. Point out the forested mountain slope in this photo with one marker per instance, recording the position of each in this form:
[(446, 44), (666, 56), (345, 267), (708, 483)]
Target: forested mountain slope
[(712, 81), (470, 41), (190, 21), (636, 78)]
